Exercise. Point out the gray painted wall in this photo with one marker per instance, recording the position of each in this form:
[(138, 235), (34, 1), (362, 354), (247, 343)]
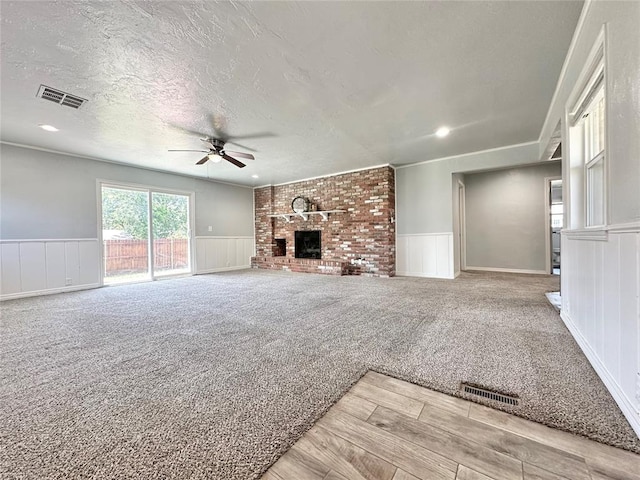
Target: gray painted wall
[(506, 226), (424, 191), (48, 195)]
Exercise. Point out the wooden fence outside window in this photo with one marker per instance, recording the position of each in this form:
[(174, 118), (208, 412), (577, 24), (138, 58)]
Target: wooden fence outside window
[(131, 256)]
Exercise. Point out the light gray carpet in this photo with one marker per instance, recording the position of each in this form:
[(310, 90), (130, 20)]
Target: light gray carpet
[(215, 376)]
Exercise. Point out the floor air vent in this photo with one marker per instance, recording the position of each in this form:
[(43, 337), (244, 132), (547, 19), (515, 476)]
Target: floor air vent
[(488, 394), (60, 97)]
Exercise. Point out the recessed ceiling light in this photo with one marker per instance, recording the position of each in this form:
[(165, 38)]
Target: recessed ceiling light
[(254, 176), (442, 132), (48, 128)]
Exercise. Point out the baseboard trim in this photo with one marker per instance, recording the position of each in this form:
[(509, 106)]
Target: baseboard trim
[(507, 270), (434, 234), (48, 291), (420, 274), (222, 269), (626, 406), (222, 237)]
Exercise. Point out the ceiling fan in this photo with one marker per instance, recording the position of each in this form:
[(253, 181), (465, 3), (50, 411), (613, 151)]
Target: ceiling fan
[(215, 144), (216, 153)]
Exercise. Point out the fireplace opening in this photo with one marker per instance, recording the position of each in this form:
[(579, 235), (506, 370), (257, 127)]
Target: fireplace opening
[(280, 247), (308, 244)]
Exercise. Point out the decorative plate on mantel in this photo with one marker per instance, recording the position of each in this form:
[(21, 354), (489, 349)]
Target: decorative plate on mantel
[(300, 205)]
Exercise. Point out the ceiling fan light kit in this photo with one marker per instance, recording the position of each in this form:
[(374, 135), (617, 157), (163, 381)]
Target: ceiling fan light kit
[(216, 151)]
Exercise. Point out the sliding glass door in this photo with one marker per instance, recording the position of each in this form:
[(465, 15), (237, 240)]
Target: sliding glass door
[(145, 234), (125, 235), (170, 232)]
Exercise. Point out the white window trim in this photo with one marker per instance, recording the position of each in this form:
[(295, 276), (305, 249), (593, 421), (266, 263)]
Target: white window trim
[(588, 213), (581, 96), (595, 160)]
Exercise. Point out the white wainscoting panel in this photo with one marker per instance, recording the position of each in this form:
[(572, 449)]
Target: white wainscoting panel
[(33, 267), (55, 264), (72, 262), (425, 255), (89, 263), (217, 254), (40, 267), (10, 269), (600, 306)]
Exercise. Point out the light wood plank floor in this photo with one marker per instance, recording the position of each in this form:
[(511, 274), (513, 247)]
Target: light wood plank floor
[(387, 429)]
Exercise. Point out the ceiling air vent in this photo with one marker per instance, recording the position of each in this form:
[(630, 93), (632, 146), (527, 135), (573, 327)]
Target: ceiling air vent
[(60, 97)]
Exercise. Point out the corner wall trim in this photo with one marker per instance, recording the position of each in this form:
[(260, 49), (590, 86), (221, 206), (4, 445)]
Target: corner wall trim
[(616, 392), (563, 71), (361, 169), (467, 154), (115, 162)]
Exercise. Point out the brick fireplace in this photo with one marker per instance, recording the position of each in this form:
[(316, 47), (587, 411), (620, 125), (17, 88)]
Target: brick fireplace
[(360, 240)]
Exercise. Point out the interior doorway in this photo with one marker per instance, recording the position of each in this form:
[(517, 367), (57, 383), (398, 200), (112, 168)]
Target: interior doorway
[(462, 237), (145, 234), (555, 221)]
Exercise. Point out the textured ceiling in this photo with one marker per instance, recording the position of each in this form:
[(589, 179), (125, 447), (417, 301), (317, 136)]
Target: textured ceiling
[(334, 85)]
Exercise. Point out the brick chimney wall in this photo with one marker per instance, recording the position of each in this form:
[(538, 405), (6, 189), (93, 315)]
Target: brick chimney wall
[(363, 236), (263, 205)]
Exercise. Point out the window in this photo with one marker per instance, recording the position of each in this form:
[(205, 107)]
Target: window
[(556, 215), (594, 138), (588, 142)]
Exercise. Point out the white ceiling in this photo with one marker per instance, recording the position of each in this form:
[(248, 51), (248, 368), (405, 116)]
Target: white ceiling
[(336, 85)]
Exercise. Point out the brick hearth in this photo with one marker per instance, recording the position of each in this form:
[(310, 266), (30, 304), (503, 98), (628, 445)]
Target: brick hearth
[(359, 241), (306, 265)]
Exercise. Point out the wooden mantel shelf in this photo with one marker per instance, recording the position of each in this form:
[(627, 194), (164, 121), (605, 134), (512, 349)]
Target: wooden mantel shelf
[(287, 217)]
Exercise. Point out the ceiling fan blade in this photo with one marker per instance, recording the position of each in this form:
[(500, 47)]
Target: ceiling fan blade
[(251, 135), (186, 130), (241, 155), (233, 160), (202, 160), (242, 146), (203, 151), (208, 141)]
